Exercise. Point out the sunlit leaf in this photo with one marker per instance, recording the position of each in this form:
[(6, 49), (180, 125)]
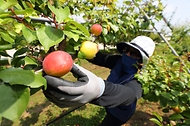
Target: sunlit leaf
[(156, 121), (81, 55), (39, 81), (114, 27), (71, 35), (7, 37), (49, 36), (61, 14), (6, 4), (159, 117), (28, 34), (6, 47), (81, 27), (17, 27), (29, 60)]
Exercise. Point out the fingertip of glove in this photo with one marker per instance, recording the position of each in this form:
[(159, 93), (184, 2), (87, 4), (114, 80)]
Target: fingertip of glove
[(48, 76)]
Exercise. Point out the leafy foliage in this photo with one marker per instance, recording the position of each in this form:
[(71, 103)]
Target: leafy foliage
[(168, 84), (181, 38), (34, 28)]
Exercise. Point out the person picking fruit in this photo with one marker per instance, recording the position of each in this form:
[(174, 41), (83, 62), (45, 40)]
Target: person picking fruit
[(118, 93)]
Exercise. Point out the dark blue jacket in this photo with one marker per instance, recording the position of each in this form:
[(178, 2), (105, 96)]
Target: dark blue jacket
[(119, 100)]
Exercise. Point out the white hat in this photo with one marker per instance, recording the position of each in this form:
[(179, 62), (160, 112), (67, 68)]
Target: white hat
[(143, 44)]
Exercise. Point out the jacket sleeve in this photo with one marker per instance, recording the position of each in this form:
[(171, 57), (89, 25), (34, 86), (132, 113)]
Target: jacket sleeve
[(115, 94), (105, 60)]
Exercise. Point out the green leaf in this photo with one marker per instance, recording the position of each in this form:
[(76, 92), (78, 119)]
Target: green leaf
[(4, 15), (151, 97), (6, 4), (61, 14), (186, 121), (163, 102), (159, 117), (70, 49), (128, 2), (114, 27), (81, 27), (81, 55), (186, 113), (4, 62), (29, 67), (20, 51), (176, 116), (28, 34), (38, 81), (166, 95), (18, 27), (29, 60), (16, 76), (7, 37), (6, 47), (77, 32), (175, 92), (71, 35), (18, 61), (49, 36), (4, 53), (156, 121), (13, 101), (26, 12)]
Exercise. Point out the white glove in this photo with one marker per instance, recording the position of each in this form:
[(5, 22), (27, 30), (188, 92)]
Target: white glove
[(65, 93)]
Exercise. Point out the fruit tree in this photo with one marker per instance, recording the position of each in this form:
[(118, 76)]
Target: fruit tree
[(34, 28)]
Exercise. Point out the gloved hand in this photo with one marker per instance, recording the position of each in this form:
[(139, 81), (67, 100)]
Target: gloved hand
[(65, 93)]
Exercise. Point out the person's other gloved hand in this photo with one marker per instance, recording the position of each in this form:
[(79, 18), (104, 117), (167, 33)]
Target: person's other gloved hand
[(65, 93)]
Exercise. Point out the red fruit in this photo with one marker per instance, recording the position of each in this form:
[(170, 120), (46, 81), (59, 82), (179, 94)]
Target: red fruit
[(57, 63), (96, 29)]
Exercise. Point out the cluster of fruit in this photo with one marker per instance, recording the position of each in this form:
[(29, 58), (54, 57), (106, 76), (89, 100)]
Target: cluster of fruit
[(59, 63)]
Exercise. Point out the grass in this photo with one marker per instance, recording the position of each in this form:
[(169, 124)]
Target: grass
[(40, 111), (88, 115)]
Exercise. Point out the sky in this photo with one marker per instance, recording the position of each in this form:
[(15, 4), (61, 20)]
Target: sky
[(176, 10), (180, 8), (177, 13)]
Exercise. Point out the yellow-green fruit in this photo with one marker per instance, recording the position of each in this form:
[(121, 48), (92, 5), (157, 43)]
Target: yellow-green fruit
[(89, 49)]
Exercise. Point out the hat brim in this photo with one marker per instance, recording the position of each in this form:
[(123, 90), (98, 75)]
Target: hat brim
[(120, 47)]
